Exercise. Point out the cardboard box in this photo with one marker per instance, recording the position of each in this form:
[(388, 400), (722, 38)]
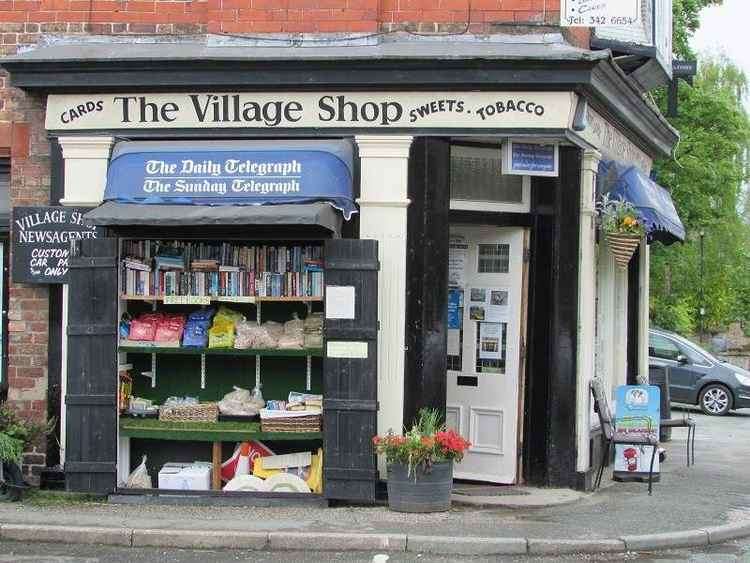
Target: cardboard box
[(185, 476)]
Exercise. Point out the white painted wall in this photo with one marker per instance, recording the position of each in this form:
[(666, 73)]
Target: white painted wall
[(383, 203)]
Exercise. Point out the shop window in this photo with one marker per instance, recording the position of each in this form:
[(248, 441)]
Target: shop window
[(477, 181), (494, 259)]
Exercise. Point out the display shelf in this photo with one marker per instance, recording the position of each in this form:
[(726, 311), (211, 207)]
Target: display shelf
[(226, 299), (205, 431), (273, 352)]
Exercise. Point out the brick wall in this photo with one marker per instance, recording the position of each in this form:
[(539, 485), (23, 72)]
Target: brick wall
[(22, 21), (28, 307)]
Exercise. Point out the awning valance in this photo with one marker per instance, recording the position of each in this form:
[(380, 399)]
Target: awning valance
[(653, 202), (113, 214), (232, 173)]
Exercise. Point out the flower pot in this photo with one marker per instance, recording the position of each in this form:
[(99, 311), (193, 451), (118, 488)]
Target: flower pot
[(623, 247), (428, 492)]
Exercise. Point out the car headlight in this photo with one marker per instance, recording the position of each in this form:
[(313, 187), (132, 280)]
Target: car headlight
[(744, 380)]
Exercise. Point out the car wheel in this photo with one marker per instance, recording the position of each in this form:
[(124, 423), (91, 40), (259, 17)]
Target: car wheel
[(715, 400)]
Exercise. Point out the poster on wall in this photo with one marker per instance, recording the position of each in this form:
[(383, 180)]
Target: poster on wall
[(41, 242), (490, 341), (637, 414), (458, 250), (489, 304)]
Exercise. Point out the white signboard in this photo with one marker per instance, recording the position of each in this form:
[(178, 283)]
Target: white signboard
[(382, 110), (599, 13), (340, 302), (352, 350)]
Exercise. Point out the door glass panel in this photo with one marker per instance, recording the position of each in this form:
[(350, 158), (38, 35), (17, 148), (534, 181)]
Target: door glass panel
[(491, 343), (476, 175), (494, 258)]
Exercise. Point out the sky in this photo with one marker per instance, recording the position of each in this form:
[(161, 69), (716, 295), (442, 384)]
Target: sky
[(724, 30)]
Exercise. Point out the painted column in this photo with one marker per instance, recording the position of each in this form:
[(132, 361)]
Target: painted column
[(86, 162), (383, 204), (586, 306), (643, 307)]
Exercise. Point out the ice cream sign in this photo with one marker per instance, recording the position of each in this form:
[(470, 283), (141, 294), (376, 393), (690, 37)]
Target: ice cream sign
[(637, 415)]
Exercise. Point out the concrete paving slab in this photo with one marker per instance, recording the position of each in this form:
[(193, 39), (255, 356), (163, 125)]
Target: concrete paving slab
[(67, 534), (728, 532), (192, 539), (562, 547), (466, 546), (336, 542), (533, 498), (687, 538)]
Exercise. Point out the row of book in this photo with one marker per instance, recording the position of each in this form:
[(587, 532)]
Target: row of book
[(221, 283), (184, 255)]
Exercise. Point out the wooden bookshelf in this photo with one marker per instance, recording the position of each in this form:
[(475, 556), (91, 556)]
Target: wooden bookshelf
[(227, 299)]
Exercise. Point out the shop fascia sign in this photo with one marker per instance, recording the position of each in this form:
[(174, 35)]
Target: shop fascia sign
[(355, 110), (600, 13)]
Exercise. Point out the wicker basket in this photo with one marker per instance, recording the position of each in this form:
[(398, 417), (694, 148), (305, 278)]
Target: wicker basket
[(623, 247), (310, 423), (203, 412)]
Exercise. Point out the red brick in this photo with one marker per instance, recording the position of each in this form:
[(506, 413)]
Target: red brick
[(254, 15), (12, 16), (139, 6), (364, 4), (54, 5), (235, 4)]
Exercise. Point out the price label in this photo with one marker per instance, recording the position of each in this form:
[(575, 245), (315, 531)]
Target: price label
[(187, 300)]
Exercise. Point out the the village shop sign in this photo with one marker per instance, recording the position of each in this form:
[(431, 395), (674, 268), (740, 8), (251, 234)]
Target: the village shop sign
[(483, 110), (41, 242)]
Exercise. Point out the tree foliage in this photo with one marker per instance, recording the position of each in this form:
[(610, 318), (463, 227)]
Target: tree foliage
[(686, 21), (707, 178)]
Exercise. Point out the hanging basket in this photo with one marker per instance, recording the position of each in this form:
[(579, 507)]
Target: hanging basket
[(623, 247)]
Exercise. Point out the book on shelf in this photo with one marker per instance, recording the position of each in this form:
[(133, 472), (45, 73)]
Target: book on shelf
[(222, 269)]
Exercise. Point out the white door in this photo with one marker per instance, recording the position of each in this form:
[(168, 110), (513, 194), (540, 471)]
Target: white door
[(484, 345)]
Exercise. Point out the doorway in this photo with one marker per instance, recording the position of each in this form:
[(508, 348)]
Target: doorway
[(485, 312)]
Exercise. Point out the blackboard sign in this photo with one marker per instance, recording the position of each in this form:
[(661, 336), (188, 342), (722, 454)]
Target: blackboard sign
[(41, 242)]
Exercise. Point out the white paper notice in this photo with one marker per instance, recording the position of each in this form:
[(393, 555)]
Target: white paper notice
[(497, 309), (457, 253), (337, 349), (340, 300), (490, 335), (454, 342)]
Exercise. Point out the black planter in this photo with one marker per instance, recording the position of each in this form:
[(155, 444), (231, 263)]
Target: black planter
[(428, 492)]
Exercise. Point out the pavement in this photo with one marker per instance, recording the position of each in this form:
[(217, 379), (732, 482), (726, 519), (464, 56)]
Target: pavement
[(699, 506)]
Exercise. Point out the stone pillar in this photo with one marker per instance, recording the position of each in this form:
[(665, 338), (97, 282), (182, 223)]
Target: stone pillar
[(383, 203), (586, 306), (86, 162)]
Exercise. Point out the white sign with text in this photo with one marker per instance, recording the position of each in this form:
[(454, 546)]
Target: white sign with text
[(279, 110), (599, 13)]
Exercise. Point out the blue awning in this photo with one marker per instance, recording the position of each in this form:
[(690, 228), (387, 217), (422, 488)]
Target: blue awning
[(653, 202), (232, 173)]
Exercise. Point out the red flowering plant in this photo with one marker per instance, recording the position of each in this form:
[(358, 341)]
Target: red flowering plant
[(427, 442)]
